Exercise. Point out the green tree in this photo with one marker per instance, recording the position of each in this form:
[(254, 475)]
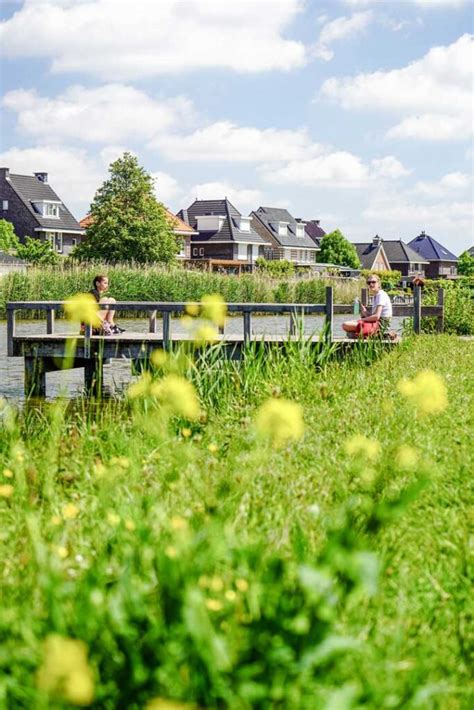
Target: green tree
[(466, 264), (336, 249), (128, 223), (37, 251), (8, 240)]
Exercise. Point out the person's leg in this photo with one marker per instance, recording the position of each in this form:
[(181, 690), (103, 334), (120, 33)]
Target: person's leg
[(350, 326), (107, 315)]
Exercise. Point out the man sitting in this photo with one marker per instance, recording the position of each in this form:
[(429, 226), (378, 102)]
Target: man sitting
[(378, 321)]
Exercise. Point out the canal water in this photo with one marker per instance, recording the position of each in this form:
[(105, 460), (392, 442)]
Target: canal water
[(117, 374)]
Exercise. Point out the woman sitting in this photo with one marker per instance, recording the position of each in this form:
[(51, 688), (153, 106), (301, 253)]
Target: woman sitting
[(108, 326), (378, 321)]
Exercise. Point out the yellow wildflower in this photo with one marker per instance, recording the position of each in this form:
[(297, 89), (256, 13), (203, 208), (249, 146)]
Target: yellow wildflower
[(178, 395), (214, 604), (361, 447), (159, 358), (113, 519), (120, 461), (203, 581), (6, 490), (280, 420), (70, 511), (62, 552), (213, 448), (56, 520), (166, 704), (406, 457), (99, 469), (171, 551), (192, 309), (83, 308), (214, 309), (216, 584), (178, 523), (7, 473), (65, 671), (186, 433), (140, 388), (130, 525), (230, 595), (241, 584), (426, 391), (205, 333)]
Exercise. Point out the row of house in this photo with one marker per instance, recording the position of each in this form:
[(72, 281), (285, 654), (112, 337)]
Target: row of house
[(215, 232)]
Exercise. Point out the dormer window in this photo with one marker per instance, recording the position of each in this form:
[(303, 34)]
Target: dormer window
[(244, 224), (299, 230), (282, 229), (47, 208), (210, 222)]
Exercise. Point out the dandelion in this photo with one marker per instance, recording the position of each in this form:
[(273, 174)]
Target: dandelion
[(113, 519), (6, 490), (192, 309), (230, 595), (120, 461), (70, 511), (280, 420), (7, 473), (406, 457), (214, 604), (213, 448), (65, 671), (166, 704), (130, 525), (186, 433), (159, 358), (171, 552), (140, 388), (359, 446), (214, 309), (241, 584), (56, 520), (205, 334), (62, 552), (178, 395), (216, 584), (83, 308), (203, 581), (426, 391), (99, 469), (178, 523)]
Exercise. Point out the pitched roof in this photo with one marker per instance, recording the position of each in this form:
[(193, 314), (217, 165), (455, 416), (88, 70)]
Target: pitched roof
[(398, 252), (313, 230), (229, 232), (470, 251), (31, 189), (367, 252), (430, 249), (178, 225), (270, 218)]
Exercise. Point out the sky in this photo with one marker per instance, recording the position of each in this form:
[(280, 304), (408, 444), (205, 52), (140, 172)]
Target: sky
[(358, 113)]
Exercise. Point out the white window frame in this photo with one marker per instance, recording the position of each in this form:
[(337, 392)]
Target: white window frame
[(5, 205)]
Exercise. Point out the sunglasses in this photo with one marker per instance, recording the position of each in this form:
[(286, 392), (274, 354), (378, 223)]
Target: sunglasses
[(369, 283)]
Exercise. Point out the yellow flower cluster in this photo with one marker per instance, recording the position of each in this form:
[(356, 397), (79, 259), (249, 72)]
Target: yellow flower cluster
[(166, 704), (174, 392), (6, 490), (83, 308), (407, 457), (427, 392), (280, 421), (360, 446), (65, 671), (214, 309)]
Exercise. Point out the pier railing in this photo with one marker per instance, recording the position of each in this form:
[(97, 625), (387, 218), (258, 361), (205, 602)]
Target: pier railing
[(166, 309)]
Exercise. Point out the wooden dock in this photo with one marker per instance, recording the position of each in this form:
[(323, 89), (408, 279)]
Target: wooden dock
[(51, 351)]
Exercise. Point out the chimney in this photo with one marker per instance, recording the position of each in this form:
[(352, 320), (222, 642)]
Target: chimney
[(376, 240), (4, 173), (42, 177)]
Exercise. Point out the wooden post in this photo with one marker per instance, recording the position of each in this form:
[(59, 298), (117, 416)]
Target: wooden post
[(166, 329), (293, 322), (363, 296), (35, 377), (417, 309), (50, 318), (329, 313), (10, 331), (152, 322), (440, 320), (87, 340), (247, 327)]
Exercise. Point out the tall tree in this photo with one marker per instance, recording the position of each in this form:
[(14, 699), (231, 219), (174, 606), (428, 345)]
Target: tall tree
[(8, 240), (128, 223), (336, 249), (466, 264)]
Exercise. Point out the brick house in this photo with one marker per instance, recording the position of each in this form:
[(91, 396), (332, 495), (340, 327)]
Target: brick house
[(403, 258), (313, 230), (442, 264), (35, 210), (372, 255), (286, 236), (223, 234)]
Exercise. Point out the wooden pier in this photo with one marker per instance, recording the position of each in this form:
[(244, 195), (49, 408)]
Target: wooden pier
[(51, 351)]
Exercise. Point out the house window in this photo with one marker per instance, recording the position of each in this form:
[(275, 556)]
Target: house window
[(5, 205), (195, 251), (249, 252), (74, 241), (51, 210), (56, 241), (201, 251)]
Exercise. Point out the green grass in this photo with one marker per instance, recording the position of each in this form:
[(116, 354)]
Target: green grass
[(355, 588)]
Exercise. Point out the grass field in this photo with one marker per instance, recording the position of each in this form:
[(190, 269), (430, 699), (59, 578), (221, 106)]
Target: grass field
[(225, 561)]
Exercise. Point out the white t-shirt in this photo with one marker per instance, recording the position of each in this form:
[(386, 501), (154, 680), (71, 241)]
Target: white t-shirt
[(382, 299)]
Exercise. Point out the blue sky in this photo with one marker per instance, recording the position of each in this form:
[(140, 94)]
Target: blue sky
[(354, 112)]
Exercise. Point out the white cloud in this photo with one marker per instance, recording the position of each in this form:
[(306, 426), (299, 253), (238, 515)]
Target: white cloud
[(244, 199), (426, 4), (115, 41), (73, 175), (113, 112), (447, 186), (439, 84), (340, 28), (389, 167), (167, 188), (226, 141), (336, 169)]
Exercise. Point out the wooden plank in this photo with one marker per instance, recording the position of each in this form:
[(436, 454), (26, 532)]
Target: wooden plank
[(417, 310), (440, 321), (166, 330), (50, 319)]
